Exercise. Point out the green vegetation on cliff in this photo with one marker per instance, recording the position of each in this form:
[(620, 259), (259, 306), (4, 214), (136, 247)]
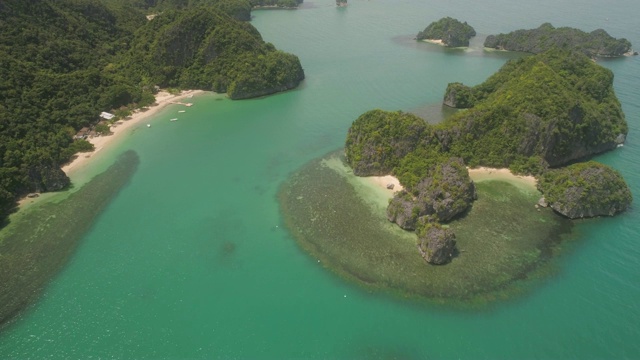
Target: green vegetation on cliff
[(537, 112), (451, 31), (547, 109), (585, 190), (63, 62), (546, 37)]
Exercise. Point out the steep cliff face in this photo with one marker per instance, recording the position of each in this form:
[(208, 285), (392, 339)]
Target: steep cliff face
[(458, 96), (436, 244), (377, 140), (444, 193), (597, 43), (204, 48), (585, 190)]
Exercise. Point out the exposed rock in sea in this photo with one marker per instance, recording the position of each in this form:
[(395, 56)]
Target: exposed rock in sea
[(436, 244), (597, 43), (450, 31), (444, 193), (585, 190)]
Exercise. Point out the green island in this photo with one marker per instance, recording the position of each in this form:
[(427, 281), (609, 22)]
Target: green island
[(456, 238), (597, 43), (62, 63), (451, 32)]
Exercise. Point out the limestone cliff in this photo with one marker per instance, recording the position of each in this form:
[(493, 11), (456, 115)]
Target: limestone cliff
[(585, 190), (451, 32), (444, 193)]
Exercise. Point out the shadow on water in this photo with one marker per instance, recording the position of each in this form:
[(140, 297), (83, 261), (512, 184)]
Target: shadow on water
[(504, 242), (40, 241)]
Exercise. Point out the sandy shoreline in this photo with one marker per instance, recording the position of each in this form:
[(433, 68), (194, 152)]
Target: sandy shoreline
[(476, 174), (485, 173), (163, 99), (383, 181), (432, 41)]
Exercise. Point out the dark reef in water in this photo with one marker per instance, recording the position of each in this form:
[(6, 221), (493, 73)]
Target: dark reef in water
[(40, 241), (501, 241)]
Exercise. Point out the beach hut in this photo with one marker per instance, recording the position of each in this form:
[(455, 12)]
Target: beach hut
[(106, 115)]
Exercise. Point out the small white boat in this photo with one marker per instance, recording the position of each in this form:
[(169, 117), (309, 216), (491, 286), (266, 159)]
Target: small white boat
[(181, 111), (148, 125), (174, 119)]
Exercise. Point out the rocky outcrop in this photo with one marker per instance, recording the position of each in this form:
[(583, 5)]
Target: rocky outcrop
[(284, 73), (451, 32), (47, 177), (458, 96), (378, 139), (585, 190), (597, 43), (444, 193), (436, 244)]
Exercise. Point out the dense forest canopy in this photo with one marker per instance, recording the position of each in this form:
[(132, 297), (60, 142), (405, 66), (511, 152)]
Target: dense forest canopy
[(546, 37), (63, 62)]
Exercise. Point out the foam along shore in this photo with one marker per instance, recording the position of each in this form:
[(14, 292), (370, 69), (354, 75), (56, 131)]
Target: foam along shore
[(163, 99), (485, 173)]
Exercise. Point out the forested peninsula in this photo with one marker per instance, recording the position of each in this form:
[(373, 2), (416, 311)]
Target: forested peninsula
[(64, 62), (450, 31), (597, 43), (536, 113)]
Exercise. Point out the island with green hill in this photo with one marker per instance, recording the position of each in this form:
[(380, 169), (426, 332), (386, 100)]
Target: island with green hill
[(449, 31), (597, 43), (538, 116), (536, 113)]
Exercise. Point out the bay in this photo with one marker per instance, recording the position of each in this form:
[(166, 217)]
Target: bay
[(191, 259)]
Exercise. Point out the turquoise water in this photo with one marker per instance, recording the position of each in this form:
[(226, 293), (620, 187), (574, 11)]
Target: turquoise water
[(191, 259)]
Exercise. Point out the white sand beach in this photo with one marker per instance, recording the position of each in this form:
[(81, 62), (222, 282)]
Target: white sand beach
[(485, 173), (163, 99), (476, 174), (438, 41), (384, 181)]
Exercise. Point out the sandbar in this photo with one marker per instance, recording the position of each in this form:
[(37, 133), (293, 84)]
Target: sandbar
[(485, 173)]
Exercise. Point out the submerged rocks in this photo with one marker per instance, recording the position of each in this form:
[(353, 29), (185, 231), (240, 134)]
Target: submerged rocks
[(585, 190), (436, 244)]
